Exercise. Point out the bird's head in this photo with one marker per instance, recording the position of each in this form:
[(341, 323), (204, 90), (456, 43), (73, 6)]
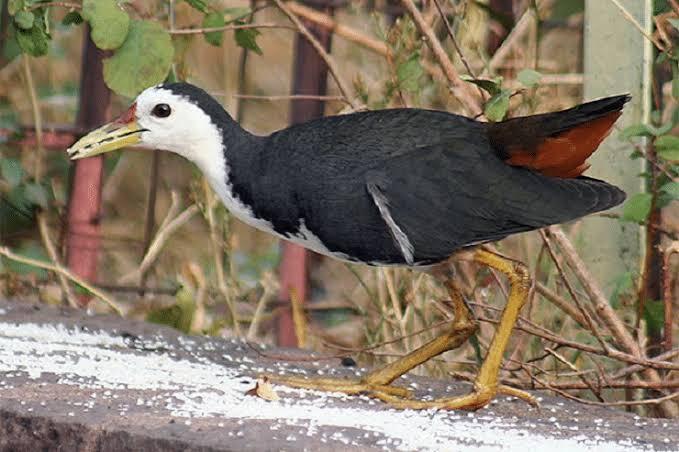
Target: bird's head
[(177, 117)]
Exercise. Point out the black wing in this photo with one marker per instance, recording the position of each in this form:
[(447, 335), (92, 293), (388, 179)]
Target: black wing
[(446, 200)]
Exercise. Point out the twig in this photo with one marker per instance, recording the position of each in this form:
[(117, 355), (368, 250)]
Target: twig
[(299, 319), (37, 120), (667, 356), (270, 287), (163, 235), (192, 31), (170, 224), (603, 308), (150, 220), (393, 297), (459, 88), (512, 40), (561, 303), (667, 294), (527, 326), (353, 35), (289, 97), (631, 19), (571, 366), (575, 385), (451, 34), (49, 4), (589, 322), (4, 251), (329, 61), (54, 257), (338, 28), (675, 6), (37, 175), (210, 201), (656, 401)]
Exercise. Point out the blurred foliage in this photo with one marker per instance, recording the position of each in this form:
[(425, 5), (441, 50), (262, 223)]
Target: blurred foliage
[(142, 48)]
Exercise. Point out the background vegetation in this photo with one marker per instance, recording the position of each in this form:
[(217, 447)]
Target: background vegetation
[(197, 270)]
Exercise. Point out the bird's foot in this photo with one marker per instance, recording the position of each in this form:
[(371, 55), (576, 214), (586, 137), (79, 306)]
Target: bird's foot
[(478, 398), (519, 394), (345, 385), (399, 397)]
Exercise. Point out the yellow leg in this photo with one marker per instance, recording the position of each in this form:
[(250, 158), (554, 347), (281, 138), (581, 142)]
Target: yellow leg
[(377, 383), (486, 384)]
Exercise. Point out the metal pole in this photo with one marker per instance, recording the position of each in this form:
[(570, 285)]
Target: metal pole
[(84, 206), (310, 77)]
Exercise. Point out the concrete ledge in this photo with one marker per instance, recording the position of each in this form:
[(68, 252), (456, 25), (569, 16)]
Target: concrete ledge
[(70, 381)]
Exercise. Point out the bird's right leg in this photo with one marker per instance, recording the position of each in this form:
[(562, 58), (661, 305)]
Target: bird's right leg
[(379, 381)]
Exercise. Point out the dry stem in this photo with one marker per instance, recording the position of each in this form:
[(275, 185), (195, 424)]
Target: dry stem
[(4, 251), (459, 88), (329, 61), (210, 201), (37, 175), (169, 226)]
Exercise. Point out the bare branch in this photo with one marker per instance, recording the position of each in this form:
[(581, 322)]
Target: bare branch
[(329, 61)]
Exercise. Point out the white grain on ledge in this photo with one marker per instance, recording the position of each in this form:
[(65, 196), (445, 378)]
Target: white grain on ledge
[(202, 389)]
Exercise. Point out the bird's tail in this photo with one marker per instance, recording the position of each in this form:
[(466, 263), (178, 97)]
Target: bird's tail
[(557, 144)]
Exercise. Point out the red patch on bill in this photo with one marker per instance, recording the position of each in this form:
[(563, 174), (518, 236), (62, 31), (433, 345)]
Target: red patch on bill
[(129, 116)]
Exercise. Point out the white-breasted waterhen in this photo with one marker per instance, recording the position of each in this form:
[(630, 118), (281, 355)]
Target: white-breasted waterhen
[(406, 187)]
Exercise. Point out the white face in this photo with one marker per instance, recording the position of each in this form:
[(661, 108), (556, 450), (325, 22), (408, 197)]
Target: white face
[(173, 123)]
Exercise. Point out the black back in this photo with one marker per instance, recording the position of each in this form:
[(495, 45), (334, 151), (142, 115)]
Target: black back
[(446, 186)]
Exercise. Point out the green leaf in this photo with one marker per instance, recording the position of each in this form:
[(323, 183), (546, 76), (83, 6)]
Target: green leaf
[(671, 155), (409, 73), (672, 189), (35, 41), (675, 79), (36, 194), (10, 49), (637, 208), (497, 106), (200, 5), (492, 87), (72, 18), (24, 20), (528, 77), (661, 130), (110, 24), (20, 207), (143, 60), (14, 6), (635, 130), (247, 39), (667, 147), (667, 142), (12, 171), (214, 20), (179, 315)]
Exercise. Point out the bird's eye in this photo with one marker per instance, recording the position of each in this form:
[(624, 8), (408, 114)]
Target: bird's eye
[(161, 110)]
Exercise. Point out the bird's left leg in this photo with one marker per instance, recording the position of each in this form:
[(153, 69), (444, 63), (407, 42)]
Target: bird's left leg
[(486, 385)]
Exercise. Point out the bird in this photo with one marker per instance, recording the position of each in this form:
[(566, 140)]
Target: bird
[(403, 187)]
